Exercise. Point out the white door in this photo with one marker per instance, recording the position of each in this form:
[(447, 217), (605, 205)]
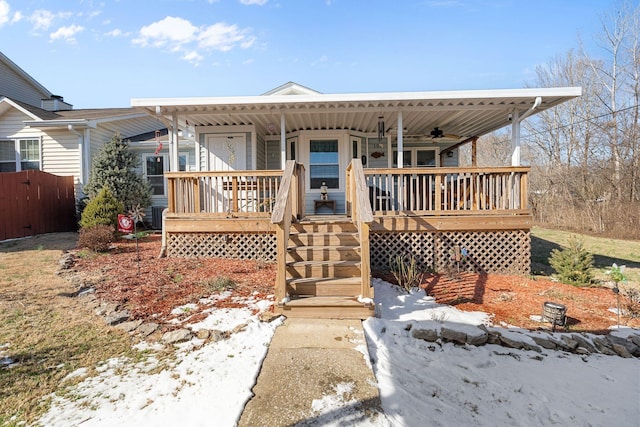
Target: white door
[(227, 152)]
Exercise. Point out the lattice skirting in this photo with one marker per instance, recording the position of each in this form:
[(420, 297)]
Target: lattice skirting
[(503, 252), (256, 246)]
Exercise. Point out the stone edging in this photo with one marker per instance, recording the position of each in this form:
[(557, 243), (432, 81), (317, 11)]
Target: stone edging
[(577, 343)]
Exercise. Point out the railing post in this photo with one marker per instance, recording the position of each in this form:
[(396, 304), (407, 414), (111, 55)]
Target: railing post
[(171, 184), (234, 194)]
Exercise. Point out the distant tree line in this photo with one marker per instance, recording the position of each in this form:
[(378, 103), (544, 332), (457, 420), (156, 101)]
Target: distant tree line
[(584, 153)]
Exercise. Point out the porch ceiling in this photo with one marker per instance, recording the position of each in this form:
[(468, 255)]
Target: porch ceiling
[(459, 114)]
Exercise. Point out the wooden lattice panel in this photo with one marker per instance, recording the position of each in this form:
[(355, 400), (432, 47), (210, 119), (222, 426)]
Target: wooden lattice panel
[(384, 246), (504, 252), (256, 246)]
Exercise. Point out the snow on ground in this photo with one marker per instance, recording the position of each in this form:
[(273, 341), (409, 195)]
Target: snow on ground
[(204, 386), (421, 383)]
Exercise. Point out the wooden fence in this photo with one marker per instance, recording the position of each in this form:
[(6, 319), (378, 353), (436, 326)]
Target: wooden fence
[(34, 202)]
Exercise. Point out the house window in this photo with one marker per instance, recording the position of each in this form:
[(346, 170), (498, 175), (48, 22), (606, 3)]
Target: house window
[(324, 163), (7, 156), (154, 169), (28, 155)]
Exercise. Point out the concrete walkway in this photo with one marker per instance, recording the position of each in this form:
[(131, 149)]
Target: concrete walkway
[(306, 361)]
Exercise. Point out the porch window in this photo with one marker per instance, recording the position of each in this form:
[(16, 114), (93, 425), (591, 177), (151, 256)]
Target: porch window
[(425, 158), (324, 163), (406, 159), (154, 169)]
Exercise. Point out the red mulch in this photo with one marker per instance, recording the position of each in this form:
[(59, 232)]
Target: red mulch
[(165, 283)]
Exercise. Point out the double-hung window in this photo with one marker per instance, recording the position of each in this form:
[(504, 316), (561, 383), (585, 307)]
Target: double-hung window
[(18, 155), (154, 169), (324, 163)]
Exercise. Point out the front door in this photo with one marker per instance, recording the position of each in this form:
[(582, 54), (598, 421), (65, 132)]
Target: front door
[(227, 153)]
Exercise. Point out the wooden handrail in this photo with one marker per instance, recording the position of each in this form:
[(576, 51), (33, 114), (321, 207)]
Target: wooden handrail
[(238, 173), (281, 217), (361, 216)]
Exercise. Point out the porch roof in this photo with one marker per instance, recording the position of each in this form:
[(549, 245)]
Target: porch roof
[(459, 114)]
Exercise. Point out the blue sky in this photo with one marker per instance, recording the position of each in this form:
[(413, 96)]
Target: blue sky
[(103, 53)]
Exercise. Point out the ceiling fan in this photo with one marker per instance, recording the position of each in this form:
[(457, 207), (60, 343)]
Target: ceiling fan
[(438, 133)]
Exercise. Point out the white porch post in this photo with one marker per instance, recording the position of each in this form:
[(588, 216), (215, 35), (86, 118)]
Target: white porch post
[(283, 142), (400, 143), (174, 162), (515, 139)]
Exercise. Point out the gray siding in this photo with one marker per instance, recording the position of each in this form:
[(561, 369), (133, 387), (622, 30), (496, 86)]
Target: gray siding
[(16, 87)]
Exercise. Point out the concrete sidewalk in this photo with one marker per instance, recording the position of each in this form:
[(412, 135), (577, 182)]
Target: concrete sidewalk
[(306, 361)]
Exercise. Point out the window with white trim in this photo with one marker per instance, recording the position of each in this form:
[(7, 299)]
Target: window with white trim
[(20, 154), (154, 168)]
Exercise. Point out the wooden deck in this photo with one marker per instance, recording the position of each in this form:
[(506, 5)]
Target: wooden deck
[(325, 261)]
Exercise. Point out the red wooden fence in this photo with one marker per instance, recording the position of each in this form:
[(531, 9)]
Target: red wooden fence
[(34, 202)]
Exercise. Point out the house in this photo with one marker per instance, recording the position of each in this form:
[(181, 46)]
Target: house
[(331, 186), (39, 130)]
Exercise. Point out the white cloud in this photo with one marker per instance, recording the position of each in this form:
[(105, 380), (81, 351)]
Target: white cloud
[(193, 57), (4, 12), (224, 37), (323, 58), (256, 2), (171, 31), (66, 33), (41, 19), (17, 17), (180, 35), (117, 33)]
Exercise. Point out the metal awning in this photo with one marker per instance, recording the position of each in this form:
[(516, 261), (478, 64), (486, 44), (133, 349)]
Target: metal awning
[(459, 114)]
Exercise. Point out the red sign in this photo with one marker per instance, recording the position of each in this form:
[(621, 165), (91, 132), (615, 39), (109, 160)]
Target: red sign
[(125, 224)]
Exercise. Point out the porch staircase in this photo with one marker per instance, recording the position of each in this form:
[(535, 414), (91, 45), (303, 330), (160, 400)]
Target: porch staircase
[(323, 271)]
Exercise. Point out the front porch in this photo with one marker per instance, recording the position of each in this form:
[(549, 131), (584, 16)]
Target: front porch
[(325, 261)]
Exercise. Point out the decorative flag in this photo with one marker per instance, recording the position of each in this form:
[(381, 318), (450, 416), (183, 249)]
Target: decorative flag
[(125, 224)]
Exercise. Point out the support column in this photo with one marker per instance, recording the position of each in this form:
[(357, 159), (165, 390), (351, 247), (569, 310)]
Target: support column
[(400, 142), (174, 157), (283, 142), (515, 139)]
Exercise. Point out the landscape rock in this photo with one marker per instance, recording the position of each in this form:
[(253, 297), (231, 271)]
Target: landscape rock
[(453, 335), (179, 335), (129, 326), (430, 335), (106, 308), (508, 342), (635, 339), (569, 343), (582, 342), (478, 338), (147, 329), (268, 316), (544, 343), (603, 346), (203, 334), (621, 351), (216, 335), (117, 317), (629, 345), (494, 337)]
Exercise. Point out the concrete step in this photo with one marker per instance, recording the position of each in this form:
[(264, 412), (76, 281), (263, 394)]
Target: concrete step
[(318, 286), (323, 253), (324, 269), (327, 308)]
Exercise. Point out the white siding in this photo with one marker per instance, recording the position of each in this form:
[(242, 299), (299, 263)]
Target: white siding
[(60, 154), (14, 86)]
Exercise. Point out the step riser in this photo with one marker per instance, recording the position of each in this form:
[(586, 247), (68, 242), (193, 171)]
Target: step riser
[(327, 312), (324, 290), (302, 271), (310, 239), (328, 254), (338, 227)]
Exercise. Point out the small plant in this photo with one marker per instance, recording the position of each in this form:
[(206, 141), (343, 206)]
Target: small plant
[(573, 265), (631, 298), (220, 284), (406, 271), (103, 209), (97, 238)]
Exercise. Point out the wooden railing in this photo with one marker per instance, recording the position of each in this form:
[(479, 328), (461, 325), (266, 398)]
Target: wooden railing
[(289, 203), (448, 191), (361, 216), (228, 193)]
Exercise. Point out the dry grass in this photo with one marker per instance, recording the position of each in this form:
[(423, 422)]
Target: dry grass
[(47, 333)]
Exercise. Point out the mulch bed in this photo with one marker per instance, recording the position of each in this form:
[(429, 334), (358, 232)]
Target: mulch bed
[(165, 283)]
